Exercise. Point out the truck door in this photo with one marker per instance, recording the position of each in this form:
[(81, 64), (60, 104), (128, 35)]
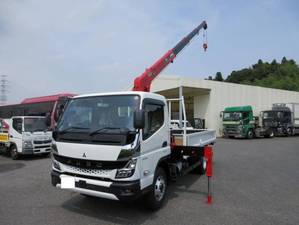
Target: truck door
[(16, 133), (155, 140)]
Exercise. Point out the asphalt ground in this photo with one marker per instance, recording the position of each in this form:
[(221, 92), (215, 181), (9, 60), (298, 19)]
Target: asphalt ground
[(255, 182)]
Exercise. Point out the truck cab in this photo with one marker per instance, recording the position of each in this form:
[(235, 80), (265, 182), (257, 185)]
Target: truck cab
[(279, 119), (238, 122), (118, 146), (26, 135)]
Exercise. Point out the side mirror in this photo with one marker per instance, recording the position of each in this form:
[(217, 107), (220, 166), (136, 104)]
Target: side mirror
[(139, 119), (58, 112), (48, 120), (221, 114)]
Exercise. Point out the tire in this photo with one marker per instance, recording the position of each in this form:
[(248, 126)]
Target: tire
[(155, 198), (201, 169), (46, 154), (14, 153), (250, 134), (270, 134), (289, 131)]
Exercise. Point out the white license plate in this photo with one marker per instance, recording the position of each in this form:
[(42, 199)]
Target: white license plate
[(67, 182)]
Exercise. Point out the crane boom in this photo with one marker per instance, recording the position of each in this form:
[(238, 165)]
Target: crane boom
[(143, 81)]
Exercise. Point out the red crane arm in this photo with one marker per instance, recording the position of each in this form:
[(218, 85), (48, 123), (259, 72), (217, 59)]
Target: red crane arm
[(143, 82)]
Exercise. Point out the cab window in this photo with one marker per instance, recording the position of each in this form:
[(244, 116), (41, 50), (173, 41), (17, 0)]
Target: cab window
[(154, 119), (17, 124)]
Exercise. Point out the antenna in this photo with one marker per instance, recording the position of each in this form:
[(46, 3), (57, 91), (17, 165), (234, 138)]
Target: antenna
[(3, 89)]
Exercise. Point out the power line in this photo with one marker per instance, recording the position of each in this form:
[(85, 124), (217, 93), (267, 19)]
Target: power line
[(3, 89)]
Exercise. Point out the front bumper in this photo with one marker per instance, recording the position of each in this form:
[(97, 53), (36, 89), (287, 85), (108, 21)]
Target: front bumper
[(35, 150), (114, 190), (237, 134)]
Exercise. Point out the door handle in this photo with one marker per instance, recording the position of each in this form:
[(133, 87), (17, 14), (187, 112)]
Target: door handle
[(164, 144), (10, 136)]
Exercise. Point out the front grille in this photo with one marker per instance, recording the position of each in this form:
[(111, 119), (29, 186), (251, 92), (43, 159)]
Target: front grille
[(90, 164), (37, 142), (89, 172), (231, 129)]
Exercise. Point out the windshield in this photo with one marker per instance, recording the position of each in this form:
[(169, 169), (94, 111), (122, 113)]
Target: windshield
[(35, 124), (99, 113), (232, 115), (275, 114)]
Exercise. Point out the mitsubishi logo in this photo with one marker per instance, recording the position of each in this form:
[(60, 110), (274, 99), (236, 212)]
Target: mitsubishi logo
[(84, 155)]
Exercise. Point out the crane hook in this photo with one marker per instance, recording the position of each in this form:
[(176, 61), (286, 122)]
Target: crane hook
[(205, 46), (205, 40)]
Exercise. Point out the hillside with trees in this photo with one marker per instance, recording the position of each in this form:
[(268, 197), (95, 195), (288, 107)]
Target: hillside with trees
[(283, 75)]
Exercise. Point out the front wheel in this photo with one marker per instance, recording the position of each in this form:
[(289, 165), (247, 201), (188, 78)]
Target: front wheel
[(155, 198), (270, 134), (250, 134), (47, 154), (14, 153)]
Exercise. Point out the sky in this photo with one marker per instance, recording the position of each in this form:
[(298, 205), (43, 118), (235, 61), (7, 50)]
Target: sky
[(87, 46)]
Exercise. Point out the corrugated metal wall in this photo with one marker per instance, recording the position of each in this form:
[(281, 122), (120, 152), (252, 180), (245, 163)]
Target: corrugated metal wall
[(222, 95)]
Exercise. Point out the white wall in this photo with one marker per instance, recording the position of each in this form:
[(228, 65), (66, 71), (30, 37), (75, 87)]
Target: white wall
[(224, 95)]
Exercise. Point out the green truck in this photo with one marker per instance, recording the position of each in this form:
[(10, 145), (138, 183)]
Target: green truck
[(239, 122)]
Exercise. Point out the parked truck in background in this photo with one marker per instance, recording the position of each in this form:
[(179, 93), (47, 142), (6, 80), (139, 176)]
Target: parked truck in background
[(283, 119), (38, 106), (240, 122), (25, 135), (120, 146)]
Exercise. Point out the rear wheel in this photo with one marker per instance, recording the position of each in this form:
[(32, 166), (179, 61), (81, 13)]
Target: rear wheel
[(200, 169), (155, 198), (14, 152)]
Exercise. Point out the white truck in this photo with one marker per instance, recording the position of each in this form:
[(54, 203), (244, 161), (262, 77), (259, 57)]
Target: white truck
[(25, 135), (294, 108), (120, 146)]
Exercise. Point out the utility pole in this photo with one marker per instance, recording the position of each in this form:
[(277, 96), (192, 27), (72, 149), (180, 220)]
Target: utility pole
[(3, 89)]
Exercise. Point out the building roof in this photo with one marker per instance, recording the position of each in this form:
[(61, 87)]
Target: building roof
[(48, 98)]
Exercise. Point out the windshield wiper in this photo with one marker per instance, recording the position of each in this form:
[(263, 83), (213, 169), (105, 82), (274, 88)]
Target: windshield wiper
[(73, 127), (98, 131)]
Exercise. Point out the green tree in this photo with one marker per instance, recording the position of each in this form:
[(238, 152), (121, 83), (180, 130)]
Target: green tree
[(218, 76), (284, 75), (284, 60)]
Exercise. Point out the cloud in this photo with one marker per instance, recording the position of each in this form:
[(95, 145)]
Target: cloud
[(99, 45)]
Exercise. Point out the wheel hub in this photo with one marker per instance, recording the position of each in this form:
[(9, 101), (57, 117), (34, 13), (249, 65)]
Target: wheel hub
[(160, 188)]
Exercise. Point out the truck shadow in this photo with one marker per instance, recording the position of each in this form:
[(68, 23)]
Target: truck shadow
[(7, 167), (128, 213), (24, 157)]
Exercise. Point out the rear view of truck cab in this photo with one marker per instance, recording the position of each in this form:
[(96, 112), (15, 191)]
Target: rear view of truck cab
[(100, 149)]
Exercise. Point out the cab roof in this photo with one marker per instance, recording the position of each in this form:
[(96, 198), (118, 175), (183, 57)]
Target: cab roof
[(140, 93), (245, 108)]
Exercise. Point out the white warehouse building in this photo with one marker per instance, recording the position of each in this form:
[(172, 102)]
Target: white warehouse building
[(205, 99)]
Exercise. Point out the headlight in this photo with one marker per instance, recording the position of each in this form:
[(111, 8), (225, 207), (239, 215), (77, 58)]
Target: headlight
[(54, 147), (27, 144), (128, 170)]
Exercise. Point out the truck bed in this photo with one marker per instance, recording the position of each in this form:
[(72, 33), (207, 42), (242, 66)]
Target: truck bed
[(194, 137)]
